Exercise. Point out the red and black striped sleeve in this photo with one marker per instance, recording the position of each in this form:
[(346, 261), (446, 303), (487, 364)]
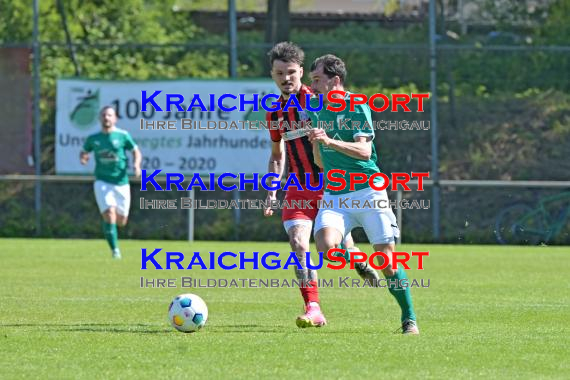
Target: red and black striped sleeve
[(274, 132)]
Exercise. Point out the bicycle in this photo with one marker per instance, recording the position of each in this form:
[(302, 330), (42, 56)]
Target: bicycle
[(523, 224)]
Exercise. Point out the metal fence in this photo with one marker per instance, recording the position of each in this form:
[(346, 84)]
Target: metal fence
[(472, 212), (498, 113)]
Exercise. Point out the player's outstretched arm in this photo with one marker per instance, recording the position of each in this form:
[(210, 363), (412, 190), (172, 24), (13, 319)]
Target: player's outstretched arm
[(137, 159), (360, 149), (276, 165), (83, 157)]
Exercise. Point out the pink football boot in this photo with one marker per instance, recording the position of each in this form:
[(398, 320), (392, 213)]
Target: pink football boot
[(313, 316)]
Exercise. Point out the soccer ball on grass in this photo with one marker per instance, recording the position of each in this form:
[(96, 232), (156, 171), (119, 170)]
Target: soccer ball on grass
[(188, 313)]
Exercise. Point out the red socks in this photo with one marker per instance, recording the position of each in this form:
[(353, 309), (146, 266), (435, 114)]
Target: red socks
[(310, 294)]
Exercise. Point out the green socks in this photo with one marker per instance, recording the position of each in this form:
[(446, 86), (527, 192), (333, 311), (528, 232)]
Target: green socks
[(402, 293), (111, 234), (344, 254)]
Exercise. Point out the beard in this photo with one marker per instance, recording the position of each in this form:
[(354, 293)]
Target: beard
[(290, 88)]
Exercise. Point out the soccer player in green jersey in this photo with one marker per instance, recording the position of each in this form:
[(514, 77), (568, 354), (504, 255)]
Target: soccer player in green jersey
[(112, 191), (286, 60), (349, 147)]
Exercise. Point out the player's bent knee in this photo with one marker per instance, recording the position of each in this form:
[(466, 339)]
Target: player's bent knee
[(299, 238), (109, 215), (327, 238), (324, 244), (299, 243), (122, 219), (389, 271)]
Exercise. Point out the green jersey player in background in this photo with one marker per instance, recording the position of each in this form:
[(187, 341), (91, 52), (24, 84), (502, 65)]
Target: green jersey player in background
[(112, 190), (352, 149)]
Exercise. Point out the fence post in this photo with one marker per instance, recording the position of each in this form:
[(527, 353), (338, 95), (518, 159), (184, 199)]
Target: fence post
[(237, 214), (191, 216), (399, 215), (433, 126), (232, 15), (37, 121), (232, 35)]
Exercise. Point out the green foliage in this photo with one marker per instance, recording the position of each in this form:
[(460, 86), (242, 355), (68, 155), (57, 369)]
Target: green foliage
[(556, 29), (111, 35), (241, 5), (16, 21), (506, 13)]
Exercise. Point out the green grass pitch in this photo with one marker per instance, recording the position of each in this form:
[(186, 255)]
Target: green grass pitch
[(68, 311)]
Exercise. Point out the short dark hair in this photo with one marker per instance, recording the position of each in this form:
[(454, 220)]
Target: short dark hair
[(332, 66), (105, 108), (286, 52)]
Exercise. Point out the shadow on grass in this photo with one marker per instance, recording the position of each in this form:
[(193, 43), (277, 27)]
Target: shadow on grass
[(243, 328), (153, 329), (269, 329), (95, 327)]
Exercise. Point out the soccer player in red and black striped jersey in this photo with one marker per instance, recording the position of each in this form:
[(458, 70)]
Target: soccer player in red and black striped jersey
[(296, 151), (286, 61)]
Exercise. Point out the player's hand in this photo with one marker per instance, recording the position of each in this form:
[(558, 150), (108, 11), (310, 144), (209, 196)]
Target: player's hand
[(270, 197), (318, 136), (137, 171), (84, 159)]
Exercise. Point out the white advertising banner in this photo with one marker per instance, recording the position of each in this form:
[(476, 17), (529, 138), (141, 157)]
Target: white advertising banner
[(214, 142)]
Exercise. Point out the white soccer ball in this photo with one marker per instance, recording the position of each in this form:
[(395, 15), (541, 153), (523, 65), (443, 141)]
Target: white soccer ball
[(188, 313)]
